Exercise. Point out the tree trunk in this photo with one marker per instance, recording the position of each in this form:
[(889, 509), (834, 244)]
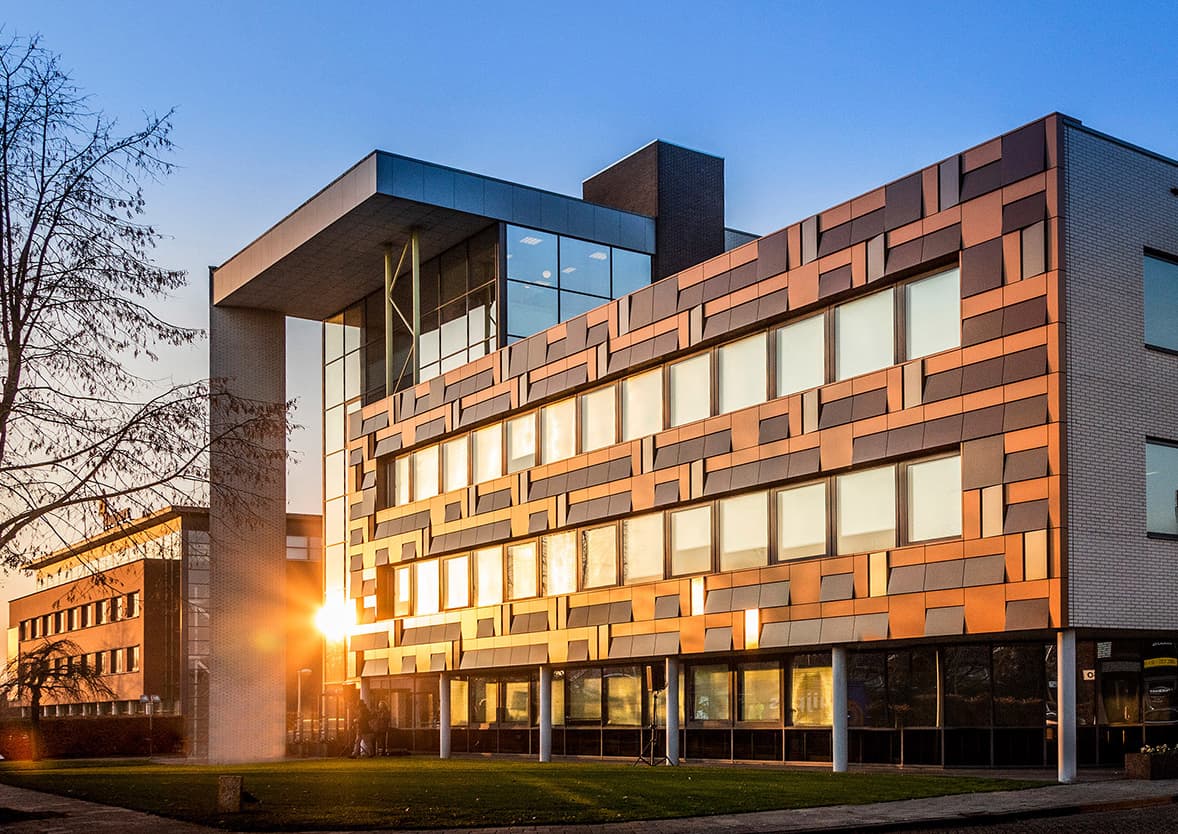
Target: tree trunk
[(35, 725)]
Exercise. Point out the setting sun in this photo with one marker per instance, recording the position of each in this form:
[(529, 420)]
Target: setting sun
[(335, 619)]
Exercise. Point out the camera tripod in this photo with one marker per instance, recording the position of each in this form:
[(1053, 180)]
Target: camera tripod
[(649, 755)]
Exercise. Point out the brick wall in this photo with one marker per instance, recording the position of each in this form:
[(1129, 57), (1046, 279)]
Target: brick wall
[(1117, 203)]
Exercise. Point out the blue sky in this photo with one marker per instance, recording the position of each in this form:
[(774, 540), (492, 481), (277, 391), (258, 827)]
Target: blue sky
[(810, 103)]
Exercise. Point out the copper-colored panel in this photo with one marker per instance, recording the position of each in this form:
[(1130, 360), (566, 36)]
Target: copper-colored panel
[(981, 219), (985, 609), (906, 616)]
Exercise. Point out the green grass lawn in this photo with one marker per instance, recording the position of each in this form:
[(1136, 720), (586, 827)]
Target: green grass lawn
[(428, 793)]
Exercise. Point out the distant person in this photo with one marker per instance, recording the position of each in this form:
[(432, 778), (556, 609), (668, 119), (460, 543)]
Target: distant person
[(364, 735), (381, 722)]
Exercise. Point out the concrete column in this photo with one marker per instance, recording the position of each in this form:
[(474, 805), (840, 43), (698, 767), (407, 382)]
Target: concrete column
[(545, 713), (672, 698), (246, 706), (1065, 695), (443, 716), (838, 730)]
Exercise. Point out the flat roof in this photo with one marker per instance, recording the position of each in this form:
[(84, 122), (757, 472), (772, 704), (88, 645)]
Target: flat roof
[(329, 252)]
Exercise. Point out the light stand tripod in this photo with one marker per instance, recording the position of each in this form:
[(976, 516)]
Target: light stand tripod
[(649, 755)]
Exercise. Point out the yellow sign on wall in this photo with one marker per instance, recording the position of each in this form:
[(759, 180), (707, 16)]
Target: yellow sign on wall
[(812, 696)]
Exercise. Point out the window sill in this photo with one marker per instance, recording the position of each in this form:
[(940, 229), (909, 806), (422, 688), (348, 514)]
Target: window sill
[(1169, 537), (1159, 349)]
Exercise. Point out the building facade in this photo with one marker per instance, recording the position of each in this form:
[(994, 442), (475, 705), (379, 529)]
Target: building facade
[(134, 599), (892, 484)]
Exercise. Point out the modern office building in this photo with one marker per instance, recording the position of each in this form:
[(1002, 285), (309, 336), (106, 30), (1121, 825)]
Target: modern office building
[(134, 599), (895, 483)]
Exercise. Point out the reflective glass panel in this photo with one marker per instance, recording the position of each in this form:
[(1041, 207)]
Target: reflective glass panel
[(334, 483), (521, 443), (631, 271), (560, 430), (573, 304), (531, 256), (333, 338), (623, 697), (1161, 488), (455, 454), (530, 309), (642, 405), (812, 694), (583, 695), (517, 697), (709, 693), (459, 702), (488, 584), (743, 378), (599, 426), (334, 526), (521, 571), (866, 510), (864, 335), (933, 316), (488, 453), (427, 587), (458, 582), (744, 531), (801, 355), (1161, 302), (333, 429), (584, 266), (642, 548), (558, 563), (759, 691), (599, 556), (691, 541), (801, 522), (333, 383), (425, 473), (691, 390), (934, 499)]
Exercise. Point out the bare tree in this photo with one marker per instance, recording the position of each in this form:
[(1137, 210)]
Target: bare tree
[(52, 670), (79, 425)]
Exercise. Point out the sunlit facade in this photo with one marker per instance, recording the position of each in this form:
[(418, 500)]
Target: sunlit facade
[(840, 493)]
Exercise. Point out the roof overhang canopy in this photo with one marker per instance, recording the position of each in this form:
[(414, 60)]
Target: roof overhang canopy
[(329, 252)]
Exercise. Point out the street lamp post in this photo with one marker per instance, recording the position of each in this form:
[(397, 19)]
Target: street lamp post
[(299, 709), (150, 702)]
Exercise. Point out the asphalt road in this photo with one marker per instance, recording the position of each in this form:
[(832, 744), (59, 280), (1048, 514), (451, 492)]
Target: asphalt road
[(1153, 820)]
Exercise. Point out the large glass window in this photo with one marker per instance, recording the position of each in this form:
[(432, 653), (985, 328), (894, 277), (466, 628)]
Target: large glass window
[(864, 335), (759, 691), (560, 430), (458, 582), (642, 405), (583, 695), (801, 521), (584, 267), (521, 571), (744, 531), (488, 453), (517, 701), (401, 479), (709, 693), (532, 309), (558, 562), (599, 556), (427, 587), (812, 690), (743, 379), (934, 499), (455, 454), (933, 315), (866, 510), (631, 272), (691, 541), (488, 583), (599, 425), (801, 355), (1161, 302), (1161, 488), (521, 442), (642, 548), (691, 390), (623, 696), (531, 256), (425, 473)]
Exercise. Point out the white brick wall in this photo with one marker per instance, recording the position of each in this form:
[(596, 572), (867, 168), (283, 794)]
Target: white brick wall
[(1117, 203), (247, 565)]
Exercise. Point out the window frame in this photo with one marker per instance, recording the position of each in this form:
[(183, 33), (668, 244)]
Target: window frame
[(1157, 534), (1165, 257)]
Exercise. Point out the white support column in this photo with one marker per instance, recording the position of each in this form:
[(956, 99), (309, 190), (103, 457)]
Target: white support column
[(1065, 689), (672, 710), (838, 730), (545, 713), (443, 716)]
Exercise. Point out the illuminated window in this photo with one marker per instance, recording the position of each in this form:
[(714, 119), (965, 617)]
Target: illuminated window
[(425, 473), (864, 335), (690, 390), (560, 430), (801, 355), (458, 582), (642, 548), (521, 571), (691, 541), (521, 443), (801, 521), (758, 690), (598, 419), (558, 562), (488, 576), (866, 510), (454, 459), (743, 378), (402, 591), (934, 499), (400, 480), (427, 587), (488, 453), (933, 314), (744, 531), (642, 405), (599, 556), (709, 693)]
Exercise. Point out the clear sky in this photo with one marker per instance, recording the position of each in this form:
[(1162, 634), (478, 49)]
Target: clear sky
[(809, 103)]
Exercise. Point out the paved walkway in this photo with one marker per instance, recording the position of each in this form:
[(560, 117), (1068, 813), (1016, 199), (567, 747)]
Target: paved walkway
[(60, 814)]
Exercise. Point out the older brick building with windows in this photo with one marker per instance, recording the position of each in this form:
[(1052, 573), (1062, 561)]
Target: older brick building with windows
[(892, 484)]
